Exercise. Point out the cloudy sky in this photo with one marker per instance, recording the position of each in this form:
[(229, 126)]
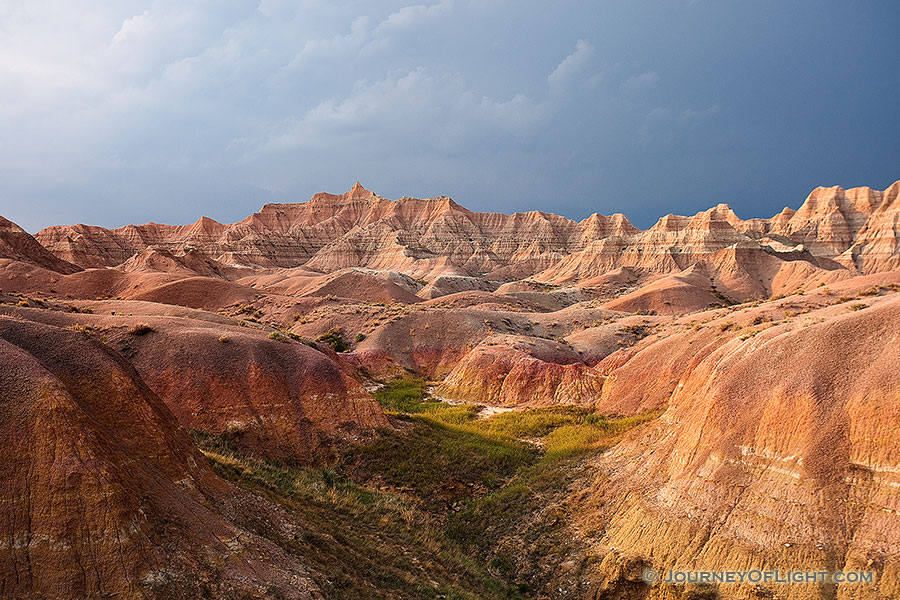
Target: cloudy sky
[(113, 112)]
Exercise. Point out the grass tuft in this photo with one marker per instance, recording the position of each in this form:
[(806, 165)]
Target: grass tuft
[(140, 329)]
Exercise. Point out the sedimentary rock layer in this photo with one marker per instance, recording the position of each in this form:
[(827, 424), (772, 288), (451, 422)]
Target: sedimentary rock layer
[(855, 228)]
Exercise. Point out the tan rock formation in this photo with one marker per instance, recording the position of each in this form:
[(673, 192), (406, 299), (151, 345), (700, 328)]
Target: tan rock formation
[(776, 451), (438, 236)]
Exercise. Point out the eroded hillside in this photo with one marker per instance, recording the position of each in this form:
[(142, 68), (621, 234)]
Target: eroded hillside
[(354, 397)]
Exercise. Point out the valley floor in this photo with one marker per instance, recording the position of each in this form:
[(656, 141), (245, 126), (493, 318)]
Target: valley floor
[(445, 506)]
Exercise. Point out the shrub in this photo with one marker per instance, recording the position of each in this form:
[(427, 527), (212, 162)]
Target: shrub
[(75, 309), (223, 338), (638, 331), (858, 306), (278, 336), (335, 338), (360, 337), (140, 329)]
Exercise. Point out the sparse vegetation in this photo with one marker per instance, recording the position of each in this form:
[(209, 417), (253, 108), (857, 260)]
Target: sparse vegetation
[(438, 499), (76, 309), (335, 338), (362, 542), (858, 306), (140, 329), (638, 331), (278, 336)]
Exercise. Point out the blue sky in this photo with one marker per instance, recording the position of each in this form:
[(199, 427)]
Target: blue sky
[(126, 112)]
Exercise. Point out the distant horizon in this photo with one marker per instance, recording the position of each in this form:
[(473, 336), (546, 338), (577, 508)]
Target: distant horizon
[(463, 204)]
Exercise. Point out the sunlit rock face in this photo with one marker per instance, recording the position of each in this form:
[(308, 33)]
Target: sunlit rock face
[(779, 450), (436, 236)]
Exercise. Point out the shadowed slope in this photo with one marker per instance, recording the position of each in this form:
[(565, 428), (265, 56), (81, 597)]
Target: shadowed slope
[(104, 494), (16, 244)]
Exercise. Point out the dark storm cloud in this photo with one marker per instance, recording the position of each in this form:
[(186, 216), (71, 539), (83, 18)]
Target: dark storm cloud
[(117, 112)]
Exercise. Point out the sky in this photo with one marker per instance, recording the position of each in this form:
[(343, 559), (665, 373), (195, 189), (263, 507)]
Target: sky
[(117, 112)]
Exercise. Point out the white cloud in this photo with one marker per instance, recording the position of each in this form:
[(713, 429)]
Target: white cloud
[(348, 44), (570, 66), (410, 17), (134, 26), (639, 83), (407, 108)]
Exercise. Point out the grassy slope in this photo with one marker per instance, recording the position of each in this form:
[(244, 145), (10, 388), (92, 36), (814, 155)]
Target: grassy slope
[(445, 506)]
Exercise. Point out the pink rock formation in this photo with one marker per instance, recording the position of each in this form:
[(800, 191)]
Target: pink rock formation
[(437, 236), (104, 495), (17, 245), (520, 371)]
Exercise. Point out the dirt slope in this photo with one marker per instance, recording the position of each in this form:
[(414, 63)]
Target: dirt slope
[(104, 494)]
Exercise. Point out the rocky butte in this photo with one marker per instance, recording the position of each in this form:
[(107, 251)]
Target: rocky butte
[(356, 397)]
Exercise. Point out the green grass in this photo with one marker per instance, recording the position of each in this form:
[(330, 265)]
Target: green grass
[(443, 505), (449, 441), (403, 395), (363, 543), (441, 461), (517, 509)]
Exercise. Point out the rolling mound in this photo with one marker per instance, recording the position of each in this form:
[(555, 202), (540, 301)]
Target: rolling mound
[(778, 449), (104, 494), (520, 371), (283, 400), (484, 301), (280, 399), (195, 292), (688, 291), (358, 285)]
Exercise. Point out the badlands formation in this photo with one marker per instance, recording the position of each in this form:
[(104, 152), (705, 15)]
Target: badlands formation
[(198, 411)]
